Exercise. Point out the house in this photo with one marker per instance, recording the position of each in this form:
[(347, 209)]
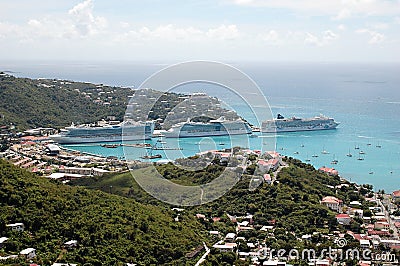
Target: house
[(343, 218), (274, 164), (230, 237), (52, 149), (381, 226), (28, 253), (329, 171), (19, 227), (396, 195), (364, 243), (63, 264), (71, 244), (267, 179), (263, 166), (3, 240), (274, 263), (227, 247), (332, 203)]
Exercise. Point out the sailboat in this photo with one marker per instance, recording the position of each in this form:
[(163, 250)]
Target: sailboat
[(356, 147), (378, 145), (360, 158), (334, 161), (324, 151), (349, 154)]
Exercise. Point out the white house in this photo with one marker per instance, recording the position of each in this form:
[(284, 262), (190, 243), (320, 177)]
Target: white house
[(230, 237), (332, 203), (19, 227), (28, 253), (3, 240), (71, 244), (228, 247), (343, 218), (364, 243)]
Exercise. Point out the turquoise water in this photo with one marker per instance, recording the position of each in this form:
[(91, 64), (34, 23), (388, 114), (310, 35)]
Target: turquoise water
[(364, 98)]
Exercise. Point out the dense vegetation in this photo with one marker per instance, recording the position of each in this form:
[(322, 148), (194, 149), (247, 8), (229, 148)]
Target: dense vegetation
[(56, 103), (111, 230), (293, 204)]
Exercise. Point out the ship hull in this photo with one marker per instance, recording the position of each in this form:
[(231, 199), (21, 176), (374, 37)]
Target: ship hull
[(78, 140), (184, 134), (288, 129)]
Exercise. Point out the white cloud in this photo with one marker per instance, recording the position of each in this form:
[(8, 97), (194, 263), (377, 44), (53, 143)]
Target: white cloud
[(330, 7), (85, 23), (343, 14), (224, 32), (271, 37), (342, 27), (171, 32), (375, 37), (326, 38)]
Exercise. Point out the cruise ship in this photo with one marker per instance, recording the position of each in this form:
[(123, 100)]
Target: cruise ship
[(105, 132), (293, 124), (218, 127)]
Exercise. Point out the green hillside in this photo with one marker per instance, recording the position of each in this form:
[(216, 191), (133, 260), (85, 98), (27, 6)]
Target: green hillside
[(111, 230), (56, 103)]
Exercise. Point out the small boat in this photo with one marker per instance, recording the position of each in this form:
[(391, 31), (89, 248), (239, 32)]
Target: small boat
[(314, 156), (362, 152), (349, 154), (360, 158), (296, 152), (222, 144), (302, 145), (356, 147), (378, 145), (156, 156), (335, 161), (110, 146), (369, 144), (371, 173), (324, 151)]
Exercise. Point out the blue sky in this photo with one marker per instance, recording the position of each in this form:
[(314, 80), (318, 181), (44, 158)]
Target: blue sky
[(227, 30)]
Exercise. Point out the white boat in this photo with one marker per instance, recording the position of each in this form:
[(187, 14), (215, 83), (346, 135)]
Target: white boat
[(294, 124), (104, 132), (218, 127)]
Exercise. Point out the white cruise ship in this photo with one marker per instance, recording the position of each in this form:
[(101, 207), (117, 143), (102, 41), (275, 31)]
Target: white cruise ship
[(127, 131), (293, 124), (219, 127)]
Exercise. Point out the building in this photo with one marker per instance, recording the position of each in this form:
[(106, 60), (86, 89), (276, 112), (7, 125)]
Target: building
[(228, 247), (52, 149), (396, 195), (332, 203), (3, 240), (343, 218), (28, 253), (329, 171), (381, 226), (230, 237), (19, 227), (364, 243), (267, 179), (71, 244)]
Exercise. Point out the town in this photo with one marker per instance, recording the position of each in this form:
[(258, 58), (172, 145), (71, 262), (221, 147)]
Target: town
[(371, 223)]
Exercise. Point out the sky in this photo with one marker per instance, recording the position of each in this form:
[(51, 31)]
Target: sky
[(221, 30)]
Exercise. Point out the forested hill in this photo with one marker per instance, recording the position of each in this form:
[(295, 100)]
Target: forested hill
[(111, 230), (56, 103)]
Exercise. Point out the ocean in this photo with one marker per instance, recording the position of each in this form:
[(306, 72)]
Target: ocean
[(364, 98)]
